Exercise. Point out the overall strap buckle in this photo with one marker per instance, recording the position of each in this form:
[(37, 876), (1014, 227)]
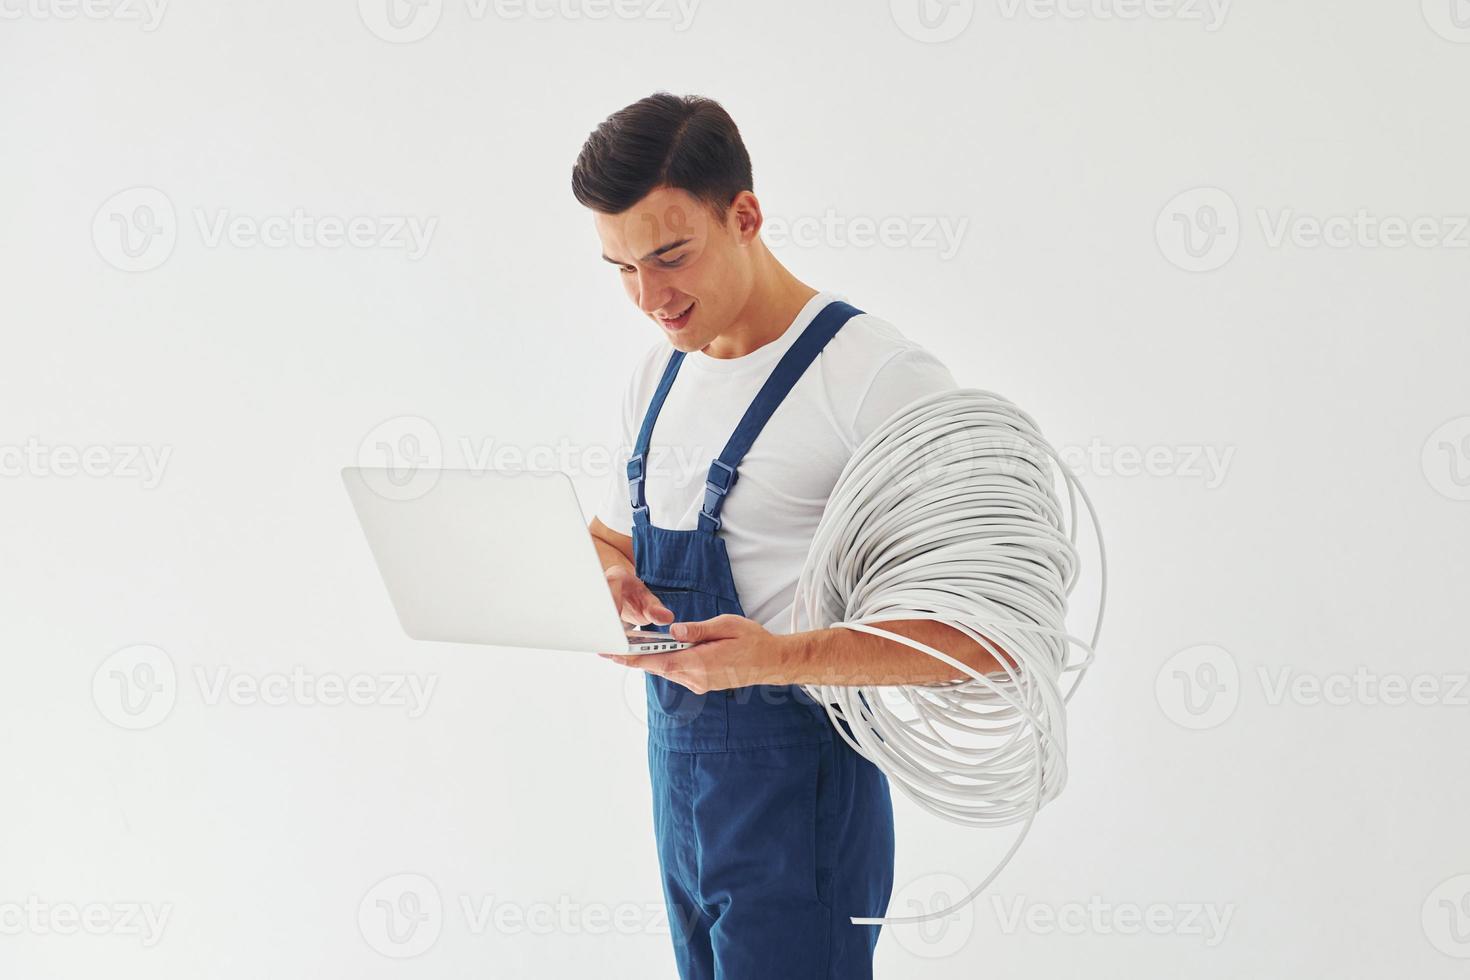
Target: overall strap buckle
[(717, 484), (783, 377), (636, 468), (636, 474)]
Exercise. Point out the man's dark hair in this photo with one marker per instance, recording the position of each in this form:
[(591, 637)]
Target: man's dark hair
[(687, 142)]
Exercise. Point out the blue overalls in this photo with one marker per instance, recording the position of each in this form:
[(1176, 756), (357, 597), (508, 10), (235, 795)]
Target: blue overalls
[(771, 830)]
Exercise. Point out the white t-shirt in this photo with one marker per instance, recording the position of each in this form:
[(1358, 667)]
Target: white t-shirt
[(860, 379)]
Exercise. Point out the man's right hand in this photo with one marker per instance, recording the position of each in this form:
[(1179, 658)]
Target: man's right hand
[(636, 604)]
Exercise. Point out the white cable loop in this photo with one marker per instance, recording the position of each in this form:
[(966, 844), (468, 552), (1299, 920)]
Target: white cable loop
[(949, 512)]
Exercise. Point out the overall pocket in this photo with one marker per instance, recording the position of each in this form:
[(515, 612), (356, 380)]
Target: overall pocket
[(687, 605)]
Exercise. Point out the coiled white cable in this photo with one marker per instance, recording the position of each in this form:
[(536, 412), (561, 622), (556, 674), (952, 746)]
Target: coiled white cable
[(948, 511)]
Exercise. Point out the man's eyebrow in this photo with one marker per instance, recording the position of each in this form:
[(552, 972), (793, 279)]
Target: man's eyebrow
[(656, 252)]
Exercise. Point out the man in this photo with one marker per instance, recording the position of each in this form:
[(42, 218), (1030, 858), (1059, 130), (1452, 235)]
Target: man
[(771, 830)]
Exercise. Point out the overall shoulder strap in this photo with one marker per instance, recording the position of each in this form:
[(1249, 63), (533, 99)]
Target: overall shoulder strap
[(636, 462), (785, 375)]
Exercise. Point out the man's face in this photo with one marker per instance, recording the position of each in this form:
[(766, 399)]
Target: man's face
[(687, 270)]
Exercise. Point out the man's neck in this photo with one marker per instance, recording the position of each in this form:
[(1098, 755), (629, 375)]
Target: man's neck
[(771, 309)]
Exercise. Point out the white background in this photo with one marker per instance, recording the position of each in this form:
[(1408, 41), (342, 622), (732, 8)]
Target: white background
[(1336, 538)]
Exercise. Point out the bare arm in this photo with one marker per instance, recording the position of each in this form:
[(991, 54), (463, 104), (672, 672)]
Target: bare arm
[(636, 604), (613, 549), (847, 658), (733, 651)]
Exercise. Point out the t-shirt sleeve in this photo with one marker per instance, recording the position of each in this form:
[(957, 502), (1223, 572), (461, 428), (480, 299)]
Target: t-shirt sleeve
[(903, 378)]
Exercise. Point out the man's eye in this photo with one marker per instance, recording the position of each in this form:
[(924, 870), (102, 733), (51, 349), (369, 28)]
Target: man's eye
[(672, 263), (625, 269)]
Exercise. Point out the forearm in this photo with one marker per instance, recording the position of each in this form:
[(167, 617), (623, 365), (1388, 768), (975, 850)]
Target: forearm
[(610, 556), (837, 657)]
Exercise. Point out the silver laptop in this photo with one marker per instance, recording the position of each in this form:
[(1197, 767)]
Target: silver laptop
[(499, 557)]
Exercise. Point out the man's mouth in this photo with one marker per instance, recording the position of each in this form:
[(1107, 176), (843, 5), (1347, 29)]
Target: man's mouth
[(678, 321)]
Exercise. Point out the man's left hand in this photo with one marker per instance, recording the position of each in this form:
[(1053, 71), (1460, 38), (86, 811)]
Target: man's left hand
[(729, 651)]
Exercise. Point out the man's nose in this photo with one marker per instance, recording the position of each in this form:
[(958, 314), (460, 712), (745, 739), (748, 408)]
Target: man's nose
[(653, 294)]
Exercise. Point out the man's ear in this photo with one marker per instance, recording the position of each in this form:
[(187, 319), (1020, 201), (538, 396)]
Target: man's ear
[(744, 218)]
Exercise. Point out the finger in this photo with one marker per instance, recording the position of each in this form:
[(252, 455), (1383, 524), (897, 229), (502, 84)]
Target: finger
[(633, 612), (701, 631), (653, 610), (654, 663), (721, 627)]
